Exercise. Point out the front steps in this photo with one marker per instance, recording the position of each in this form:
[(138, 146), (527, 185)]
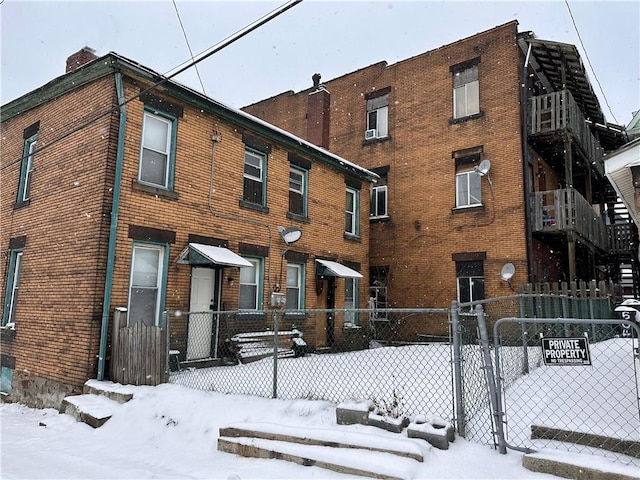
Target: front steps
[(96, 405), (340, 450)]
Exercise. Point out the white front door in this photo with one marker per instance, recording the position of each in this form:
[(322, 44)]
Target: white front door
[(200, 324)]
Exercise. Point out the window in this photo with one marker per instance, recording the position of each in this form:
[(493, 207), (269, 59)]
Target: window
[(377, 117), (468, 189), (27, 168), (298, 191), (157, 150), (145, 288), (466, 92), (13, 283), (470, 276), (250, 285), (351, 224), (295, 281), (378, 204), (350, 301), (254, 176)]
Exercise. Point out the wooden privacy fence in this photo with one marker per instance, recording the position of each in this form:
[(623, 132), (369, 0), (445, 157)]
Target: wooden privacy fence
[(138, 353)]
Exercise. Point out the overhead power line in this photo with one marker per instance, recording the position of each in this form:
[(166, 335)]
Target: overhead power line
[(186, 39), (174, 72), (589, 62)]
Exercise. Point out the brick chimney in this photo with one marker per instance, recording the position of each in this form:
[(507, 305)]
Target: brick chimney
[(79, 58), (318, 108)]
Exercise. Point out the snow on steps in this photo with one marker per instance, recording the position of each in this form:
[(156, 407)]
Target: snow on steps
[(95, 406), (353, 453)]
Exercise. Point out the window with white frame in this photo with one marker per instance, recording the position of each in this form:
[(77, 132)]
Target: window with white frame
[(468, 189), (254, 176), (466, 92), (470, 278), (13, 283), (298, 191), (250, 285), (156, 152), (145, 287), (377, 117), (26, 169), (350, 301), (378, 203), (295, 281), (351, 223)]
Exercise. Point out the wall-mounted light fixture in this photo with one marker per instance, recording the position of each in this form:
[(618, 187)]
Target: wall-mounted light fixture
[(230, 280)]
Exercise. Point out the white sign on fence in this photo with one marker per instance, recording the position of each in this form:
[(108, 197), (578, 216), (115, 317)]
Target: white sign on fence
[(566, 351)]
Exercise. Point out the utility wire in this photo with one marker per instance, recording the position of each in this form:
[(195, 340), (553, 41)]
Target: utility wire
[(188, 45), (589, 61), (178, 70)]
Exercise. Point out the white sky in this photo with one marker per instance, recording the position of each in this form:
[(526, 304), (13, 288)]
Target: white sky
[(328, 37)]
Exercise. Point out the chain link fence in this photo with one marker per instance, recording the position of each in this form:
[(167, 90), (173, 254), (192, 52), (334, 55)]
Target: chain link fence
[(444, 362), (398, 359)]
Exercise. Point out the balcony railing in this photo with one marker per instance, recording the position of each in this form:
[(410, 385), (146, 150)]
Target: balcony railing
[(621, 241), (565, 210), (558, 111)]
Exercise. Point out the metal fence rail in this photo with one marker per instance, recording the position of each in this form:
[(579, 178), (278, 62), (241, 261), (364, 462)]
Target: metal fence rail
[(390, 357), (431, 361), (580, 391)]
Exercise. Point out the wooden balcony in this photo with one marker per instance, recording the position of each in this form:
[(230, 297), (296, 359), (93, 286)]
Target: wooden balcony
[(566, 211), (557, 112)]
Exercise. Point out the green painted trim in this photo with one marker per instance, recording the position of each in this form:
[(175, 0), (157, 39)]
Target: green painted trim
[(113, 230), (172, 149), (11, 275), (162, 289), (27, 159)]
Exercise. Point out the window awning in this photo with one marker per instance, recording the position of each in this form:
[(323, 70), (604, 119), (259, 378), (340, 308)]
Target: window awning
[(199, 254), (335, 269)]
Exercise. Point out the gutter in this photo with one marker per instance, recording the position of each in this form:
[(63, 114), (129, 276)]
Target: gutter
[(108, 283)]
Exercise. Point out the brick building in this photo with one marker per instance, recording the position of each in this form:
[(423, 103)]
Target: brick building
[(490, 153), (118, 191)]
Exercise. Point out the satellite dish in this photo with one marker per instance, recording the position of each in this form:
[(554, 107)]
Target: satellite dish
[(483, 168), (507, 271), (290, 234)]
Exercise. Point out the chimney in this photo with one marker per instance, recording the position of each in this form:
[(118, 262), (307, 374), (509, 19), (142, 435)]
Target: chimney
[(318, 108), (79, 58)]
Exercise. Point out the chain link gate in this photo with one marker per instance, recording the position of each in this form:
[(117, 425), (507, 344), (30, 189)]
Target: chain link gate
[(567, 384)]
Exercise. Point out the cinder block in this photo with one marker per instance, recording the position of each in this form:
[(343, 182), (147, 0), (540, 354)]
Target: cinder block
[(350, 413), (435, 430), (391, 424)]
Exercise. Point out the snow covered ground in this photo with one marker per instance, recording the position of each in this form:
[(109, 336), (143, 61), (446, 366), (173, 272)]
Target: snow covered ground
[(171, 431)]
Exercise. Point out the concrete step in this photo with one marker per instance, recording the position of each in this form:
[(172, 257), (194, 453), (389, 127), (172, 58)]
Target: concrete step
[(343, 451), (114, 391), (92, 409)]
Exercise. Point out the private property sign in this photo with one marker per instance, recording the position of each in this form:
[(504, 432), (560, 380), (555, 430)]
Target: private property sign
[(566, 351)]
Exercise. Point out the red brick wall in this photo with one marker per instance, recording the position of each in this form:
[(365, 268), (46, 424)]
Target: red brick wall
[(66, 226), (421, 178)]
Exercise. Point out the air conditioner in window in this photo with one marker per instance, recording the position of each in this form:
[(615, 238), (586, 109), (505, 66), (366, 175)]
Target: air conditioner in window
[(370, 134)]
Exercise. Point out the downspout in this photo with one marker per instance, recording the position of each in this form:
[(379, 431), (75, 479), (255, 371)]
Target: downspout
[(108, 283)]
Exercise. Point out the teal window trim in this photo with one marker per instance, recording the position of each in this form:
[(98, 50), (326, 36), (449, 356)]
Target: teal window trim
[(260, 278), (13, 282), (353, 209), (162, 287), (305, 189), (171, 158), (301, 283), (262, 179), (355, 286), (26, 168)]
